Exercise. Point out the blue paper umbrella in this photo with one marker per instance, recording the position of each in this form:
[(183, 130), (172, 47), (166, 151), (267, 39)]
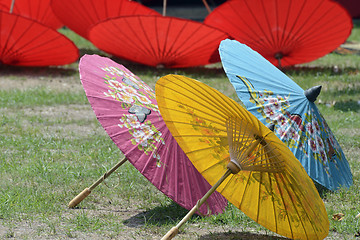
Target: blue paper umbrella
[(275, 99)]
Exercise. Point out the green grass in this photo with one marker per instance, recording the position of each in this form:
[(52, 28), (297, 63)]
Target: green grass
[(52, 147)]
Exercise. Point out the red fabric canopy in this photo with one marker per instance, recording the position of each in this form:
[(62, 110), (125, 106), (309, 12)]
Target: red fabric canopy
[(38, 10), (159, 41), (25, 42), (79, 15), (292, 32)]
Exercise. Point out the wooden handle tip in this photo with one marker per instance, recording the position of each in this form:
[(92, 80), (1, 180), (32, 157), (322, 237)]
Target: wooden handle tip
[(79, 198)]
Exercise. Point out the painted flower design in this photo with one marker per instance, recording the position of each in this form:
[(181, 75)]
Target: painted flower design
[(309, 128), (129, 90), (124, 98), (294, 135), (143, 99), (115, 84), (319, 143), (274, 103), (270, 112), (284, 135), (312, 145), (281, 120), (316, 126), (304, 132)]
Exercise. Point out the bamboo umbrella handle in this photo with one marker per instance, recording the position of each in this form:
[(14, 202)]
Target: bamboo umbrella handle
[(170, 234), (81, 196), (175, 230)]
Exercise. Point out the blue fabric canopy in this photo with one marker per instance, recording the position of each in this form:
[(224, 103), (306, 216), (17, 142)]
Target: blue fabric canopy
[(275, 99)]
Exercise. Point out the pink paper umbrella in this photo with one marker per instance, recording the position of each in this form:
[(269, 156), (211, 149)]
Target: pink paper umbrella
[(127, 109)]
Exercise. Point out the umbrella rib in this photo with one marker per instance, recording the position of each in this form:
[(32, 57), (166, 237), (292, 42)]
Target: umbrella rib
[(164, 53), (7, 42), (219, 122), (283, 38), (306, 213), (185, 52), (295, 22), (297, 212), (257, 22), (198, 150), (283, 203), (85, 16), (233, 176), (160, 50), (22, 35), (273, 202), (272, 40), (133, 44), (171, 52), (219, 163), (308, 34), (8, 36), (259, 194), (41, 44), (246, 186), (152, 50), (220, 111)]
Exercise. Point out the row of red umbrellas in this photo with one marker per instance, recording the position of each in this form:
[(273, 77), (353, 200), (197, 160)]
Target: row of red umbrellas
[(283, 31)]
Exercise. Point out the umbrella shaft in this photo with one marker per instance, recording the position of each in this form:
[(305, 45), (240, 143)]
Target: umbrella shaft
[(204, 198), (12, 6), (94, 185)]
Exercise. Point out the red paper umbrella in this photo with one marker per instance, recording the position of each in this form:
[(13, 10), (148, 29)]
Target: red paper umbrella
[(353, 6), (285, 32), (79, 15), (38, 10), (25, 42), (158, 41)]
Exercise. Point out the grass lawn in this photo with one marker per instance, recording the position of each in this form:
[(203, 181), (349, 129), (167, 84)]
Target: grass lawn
[(52, 147)]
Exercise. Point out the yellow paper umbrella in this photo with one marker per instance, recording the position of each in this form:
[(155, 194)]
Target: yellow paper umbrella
[(242, 158)]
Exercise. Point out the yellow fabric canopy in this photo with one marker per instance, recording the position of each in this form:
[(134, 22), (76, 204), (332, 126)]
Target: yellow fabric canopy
[(272, 187)]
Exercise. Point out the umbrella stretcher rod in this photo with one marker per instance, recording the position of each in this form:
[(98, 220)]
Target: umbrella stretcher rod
[(233, 168), (81, 196)]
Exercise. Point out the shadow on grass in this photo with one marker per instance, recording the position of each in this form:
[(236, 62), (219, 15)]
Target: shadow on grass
[(163, 215), (239, 235), (53, 71), (313, 70), (323, 191), (348, 106), (209, 71)]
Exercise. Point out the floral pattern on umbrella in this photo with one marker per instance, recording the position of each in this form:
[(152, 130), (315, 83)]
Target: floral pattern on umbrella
[(292, 129), (130, 92), (127, 109), (276, 99)]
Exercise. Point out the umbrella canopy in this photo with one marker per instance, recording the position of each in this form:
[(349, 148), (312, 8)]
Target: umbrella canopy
[(284, 32), (80, 15), (38, 10), (126, 108), (274, 98), (158, 41), (25, 42), (267, 182)]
